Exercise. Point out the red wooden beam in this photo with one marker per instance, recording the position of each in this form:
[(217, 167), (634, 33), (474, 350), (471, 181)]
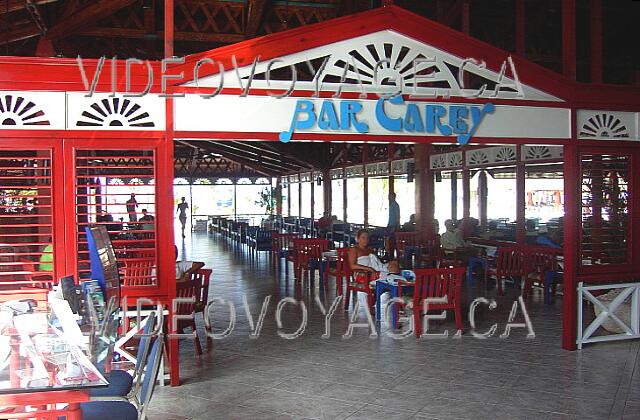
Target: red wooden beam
[(596, 40), (86, 17), (569, 39)]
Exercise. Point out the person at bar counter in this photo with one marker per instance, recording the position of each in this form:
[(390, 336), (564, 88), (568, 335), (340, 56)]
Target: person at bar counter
[(362, 258), (131, 204), (184, 269), (531, 232)]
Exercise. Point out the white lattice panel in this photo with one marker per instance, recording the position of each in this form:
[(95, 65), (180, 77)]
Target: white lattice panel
[(539, 153), (103, 112), (32, 110), (354, 171), (336, 173), (607, 125), (400, 58), (305, 177)]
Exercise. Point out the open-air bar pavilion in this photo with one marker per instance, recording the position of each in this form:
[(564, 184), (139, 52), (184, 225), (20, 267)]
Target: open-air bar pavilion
[(266, 160)]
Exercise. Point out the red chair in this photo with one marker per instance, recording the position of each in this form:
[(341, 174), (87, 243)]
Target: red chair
[(510, 263), (307, 255), (138, 272), (406, 244), (340, 272), (430, 252), (539, 260), (189, 289), (435, 283), (202, 278), (358, 282), (282, 245)]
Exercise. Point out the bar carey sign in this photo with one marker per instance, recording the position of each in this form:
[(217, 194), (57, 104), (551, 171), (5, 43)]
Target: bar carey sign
[(393, 115)]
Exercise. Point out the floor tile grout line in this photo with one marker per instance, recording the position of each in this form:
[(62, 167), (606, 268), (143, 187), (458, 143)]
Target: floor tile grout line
[(620, 401)]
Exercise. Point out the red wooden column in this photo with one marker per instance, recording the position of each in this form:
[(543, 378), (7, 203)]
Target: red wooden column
[(424, 189), (466, 193), (326, 191), (313, 196), (299, 195), (391, 151), (466, 21), (520, 28), (168, 28), (520, 200), (569, 38), (570, 248), (288, 198), (166, 250), (365, 160), (454, 196), (345, 157), (279, 196), (596, 40), (483, 193)]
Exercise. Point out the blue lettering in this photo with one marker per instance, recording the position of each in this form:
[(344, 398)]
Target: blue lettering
[(477, 114), (303, 107), (457, 116), (328, 117), (433, 115), (391, 124), (413, 119), (348, 116)]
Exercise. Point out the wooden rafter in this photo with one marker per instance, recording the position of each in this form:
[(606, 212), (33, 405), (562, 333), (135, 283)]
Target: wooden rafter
[(266, 167), (178, 36), (254, 17), (259, 157), (209, 147), (86, 17)]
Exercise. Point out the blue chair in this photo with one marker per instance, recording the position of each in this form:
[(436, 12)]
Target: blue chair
[(109, 408), (120, 381)]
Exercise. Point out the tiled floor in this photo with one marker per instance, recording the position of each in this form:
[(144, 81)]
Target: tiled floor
[(383, 378)]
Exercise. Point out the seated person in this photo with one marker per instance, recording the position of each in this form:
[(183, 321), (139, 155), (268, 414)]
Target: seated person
[(492, 231), (324, 224), (531, 233), (452, 238), (362, 258), (552, 239), (146, 220), (409, 226), (184, 269)]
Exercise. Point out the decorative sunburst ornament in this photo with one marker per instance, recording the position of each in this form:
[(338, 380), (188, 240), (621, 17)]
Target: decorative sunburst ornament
[(478, 157), (505, 154), (604, 126), (18, 111), (115, 112), (385, 64)]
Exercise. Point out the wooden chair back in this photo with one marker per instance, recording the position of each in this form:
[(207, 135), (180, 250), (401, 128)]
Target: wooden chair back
[(138, 272)]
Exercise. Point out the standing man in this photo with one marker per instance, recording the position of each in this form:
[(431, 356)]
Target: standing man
[(394, 213), (182, 208), (132, 203), (393, 224)]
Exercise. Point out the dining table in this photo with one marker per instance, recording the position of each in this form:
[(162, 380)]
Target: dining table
[(44, 371)]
